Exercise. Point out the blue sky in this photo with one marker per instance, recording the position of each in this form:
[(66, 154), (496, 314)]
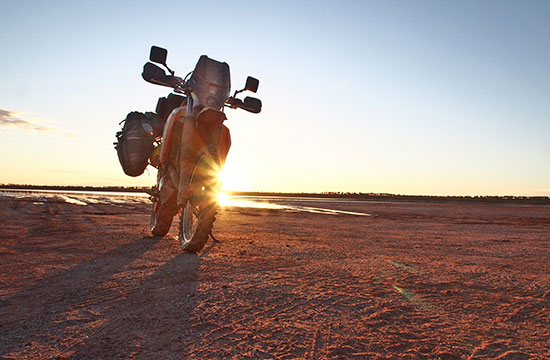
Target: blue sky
[(424, 97)]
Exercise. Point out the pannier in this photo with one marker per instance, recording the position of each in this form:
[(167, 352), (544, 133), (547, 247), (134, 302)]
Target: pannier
[(135, 142), (165, 105)]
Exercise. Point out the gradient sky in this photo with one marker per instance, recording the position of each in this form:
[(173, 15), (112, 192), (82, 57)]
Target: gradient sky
[(410, 97)]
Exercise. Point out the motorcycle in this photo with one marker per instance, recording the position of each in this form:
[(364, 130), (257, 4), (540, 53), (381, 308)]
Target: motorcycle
[(193, 146)]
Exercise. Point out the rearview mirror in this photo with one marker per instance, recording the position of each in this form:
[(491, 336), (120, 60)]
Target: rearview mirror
[(158, 55), (252, 104), (252, 85)]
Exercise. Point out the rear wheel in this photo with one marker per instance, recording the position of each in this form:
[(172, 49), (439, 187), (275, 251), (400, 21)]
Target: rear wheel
[(199, 214), (161, 219), (163, 211)]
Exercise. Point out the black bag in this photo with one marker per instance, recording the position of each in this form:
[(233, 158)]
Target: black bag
[(156, 122), (135, 143), (165, 105)]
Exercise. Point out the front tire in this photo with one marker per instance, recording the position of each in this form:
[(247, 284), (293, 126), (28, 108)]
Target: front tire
[(198, 216)]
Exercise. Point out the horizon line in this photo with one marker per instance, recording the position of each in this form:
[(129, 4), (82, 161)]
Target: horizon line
[(263, 192)]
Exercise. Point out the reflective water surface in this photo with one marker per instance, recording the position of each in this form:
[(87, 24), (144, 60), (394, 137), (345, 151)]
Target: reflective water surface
[(84, 198)]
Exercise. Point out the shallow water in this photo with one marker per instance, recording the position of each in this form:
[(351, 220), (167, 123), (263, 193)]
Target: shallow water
[(84, 198)]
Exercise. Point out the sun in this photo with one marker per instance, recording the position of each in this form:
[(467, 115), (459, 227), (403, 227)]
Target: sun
[(228, 178), (231, 179), (223, 198), (221, 176)]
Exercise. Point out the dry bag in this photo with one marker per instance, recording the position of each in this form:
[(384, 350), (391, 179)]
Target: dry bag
[(135, 143)]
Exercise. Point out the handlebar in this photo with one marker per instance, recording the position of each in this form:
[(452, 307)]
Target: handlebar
[(156, 75)]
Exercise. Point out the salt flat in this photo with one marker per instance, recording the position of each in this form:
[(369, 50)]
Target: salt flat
[(408, 281)]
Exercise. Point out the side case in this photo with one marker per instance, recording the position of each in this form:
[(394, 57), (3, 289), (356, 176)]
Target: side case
[(135, 144)]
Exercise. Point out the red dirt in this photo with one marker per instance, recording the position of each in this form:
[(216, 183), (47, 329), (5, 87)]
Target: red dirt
[(417, 280)]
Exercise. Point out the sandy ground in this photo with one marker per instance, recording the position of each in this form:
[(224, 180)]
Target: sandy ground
[(412, 281)]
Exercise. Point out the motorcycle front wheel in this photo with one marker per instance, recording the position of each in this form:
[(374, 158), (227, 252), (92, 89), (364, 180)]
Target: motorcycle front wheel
[(199, 214)]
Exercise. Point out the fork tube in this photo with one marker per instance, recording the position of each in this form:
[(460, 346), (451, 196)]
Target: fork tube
[(185, 161), (168, 133)]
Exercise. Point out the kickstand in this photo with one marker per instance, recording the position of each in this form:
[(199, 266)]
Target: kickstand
[(213, 238)]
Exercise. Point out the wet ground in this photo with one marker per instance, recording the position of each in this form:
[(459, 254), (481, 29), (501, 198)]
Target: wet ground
[(293, 278)]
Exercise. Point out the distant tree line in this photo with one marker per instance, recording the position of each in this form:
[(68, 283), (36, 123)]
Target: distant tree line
[(75, 188), (542, 200)]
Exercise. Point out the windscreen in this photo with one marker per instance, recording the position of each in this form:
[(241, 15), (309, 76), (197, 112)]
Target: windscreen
[(211, 82)]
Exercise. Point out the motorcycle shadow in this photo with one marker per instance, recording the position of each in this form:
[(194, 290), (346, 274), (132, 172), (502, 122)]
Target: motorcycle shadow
[(81, 290), (137, 324), (108, 307)]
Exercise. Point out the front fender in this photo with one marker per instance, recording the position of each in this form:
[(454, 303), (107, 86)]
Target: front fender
[(209, 118)]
